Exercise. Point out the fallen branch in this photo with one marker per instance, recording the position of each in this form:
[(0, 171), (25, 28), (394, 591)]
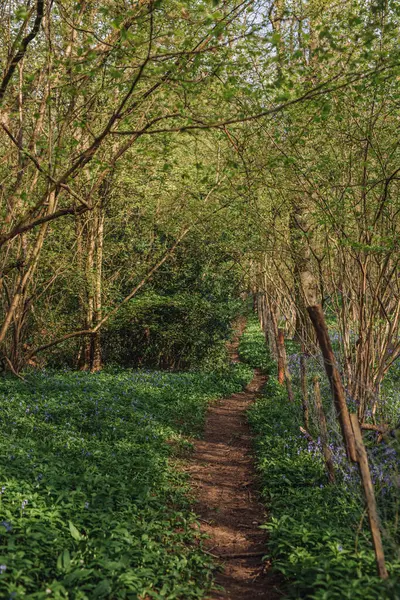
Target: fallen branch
[(383, 430), (379, 428)]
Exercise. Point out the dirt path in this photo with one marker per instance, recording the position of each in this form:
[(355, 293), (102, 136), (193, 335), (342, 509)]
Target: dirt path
[(224, 483)]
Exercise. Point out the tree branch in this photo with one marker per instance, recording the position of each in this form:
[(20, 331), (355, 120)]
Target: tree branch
[(19, 55)]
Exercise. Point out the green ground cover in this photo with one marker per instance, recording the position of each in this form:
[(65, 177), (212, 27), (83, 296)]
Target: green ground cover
[(252, 348), (318, 533), (91, 505)]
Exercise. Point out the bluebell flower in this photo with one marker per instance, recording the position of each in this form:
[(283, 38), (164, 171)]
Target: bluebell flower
[(6, 525)]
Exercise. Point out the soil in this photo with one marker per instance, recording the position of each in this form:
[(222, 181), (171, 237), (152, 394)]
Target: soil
[(225, 486)]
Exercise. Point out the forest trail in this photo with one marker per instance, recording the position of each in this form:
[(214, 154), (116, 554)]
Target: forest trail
[(230, 513)]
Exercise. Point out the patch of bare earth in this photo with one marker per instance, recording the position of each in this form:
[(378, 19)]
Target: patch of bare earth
[(224, 482)]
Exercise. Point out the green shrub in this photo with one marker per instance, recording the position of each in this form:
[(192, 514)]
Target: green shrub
[(177, 330)]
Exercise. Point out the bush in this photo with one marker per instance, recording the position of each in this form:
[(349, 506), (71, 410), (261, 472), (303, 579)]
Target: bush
[(174, 331)]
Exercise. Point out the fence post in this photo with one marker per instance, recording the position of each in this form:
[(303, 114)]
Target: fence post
[(369, 497), (281, 357), (351, 432), (318, 320), (283, 370)]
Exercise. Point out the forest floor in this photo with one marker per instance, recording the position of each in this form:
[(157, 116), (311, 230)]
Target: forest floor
[(225, 486)]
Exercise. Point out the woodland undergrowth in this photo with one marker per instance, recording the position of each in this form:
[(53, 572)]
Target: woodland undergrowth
[(91, 504), (318, 532)]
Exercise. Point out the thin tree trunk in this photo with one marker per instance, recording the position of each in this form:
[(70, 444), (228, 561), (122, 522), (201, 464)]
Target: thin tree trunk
[(25, 278), (323, 429), (304, 282), (96, 339), (283, 370), (304, 390)]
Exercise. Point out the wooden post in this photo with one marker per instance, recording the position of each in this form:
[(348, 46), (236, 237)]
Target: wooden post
[(283, 371), (323, 431), (259, 309), (369, 497), (318, 320), (274, 328), (281, 357), (304, 391), (265, 319)]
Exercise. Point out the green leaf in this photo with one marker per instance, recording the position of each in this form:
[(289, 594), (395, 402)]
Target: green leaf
[(74, 532), (102, 589), (64, 561)]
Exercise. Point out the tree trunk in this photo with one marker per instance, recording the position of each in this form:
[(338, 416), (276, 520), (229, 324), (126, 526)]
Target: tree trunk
[(304, 390), (96, 362), (304, 282), (323, 430)]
